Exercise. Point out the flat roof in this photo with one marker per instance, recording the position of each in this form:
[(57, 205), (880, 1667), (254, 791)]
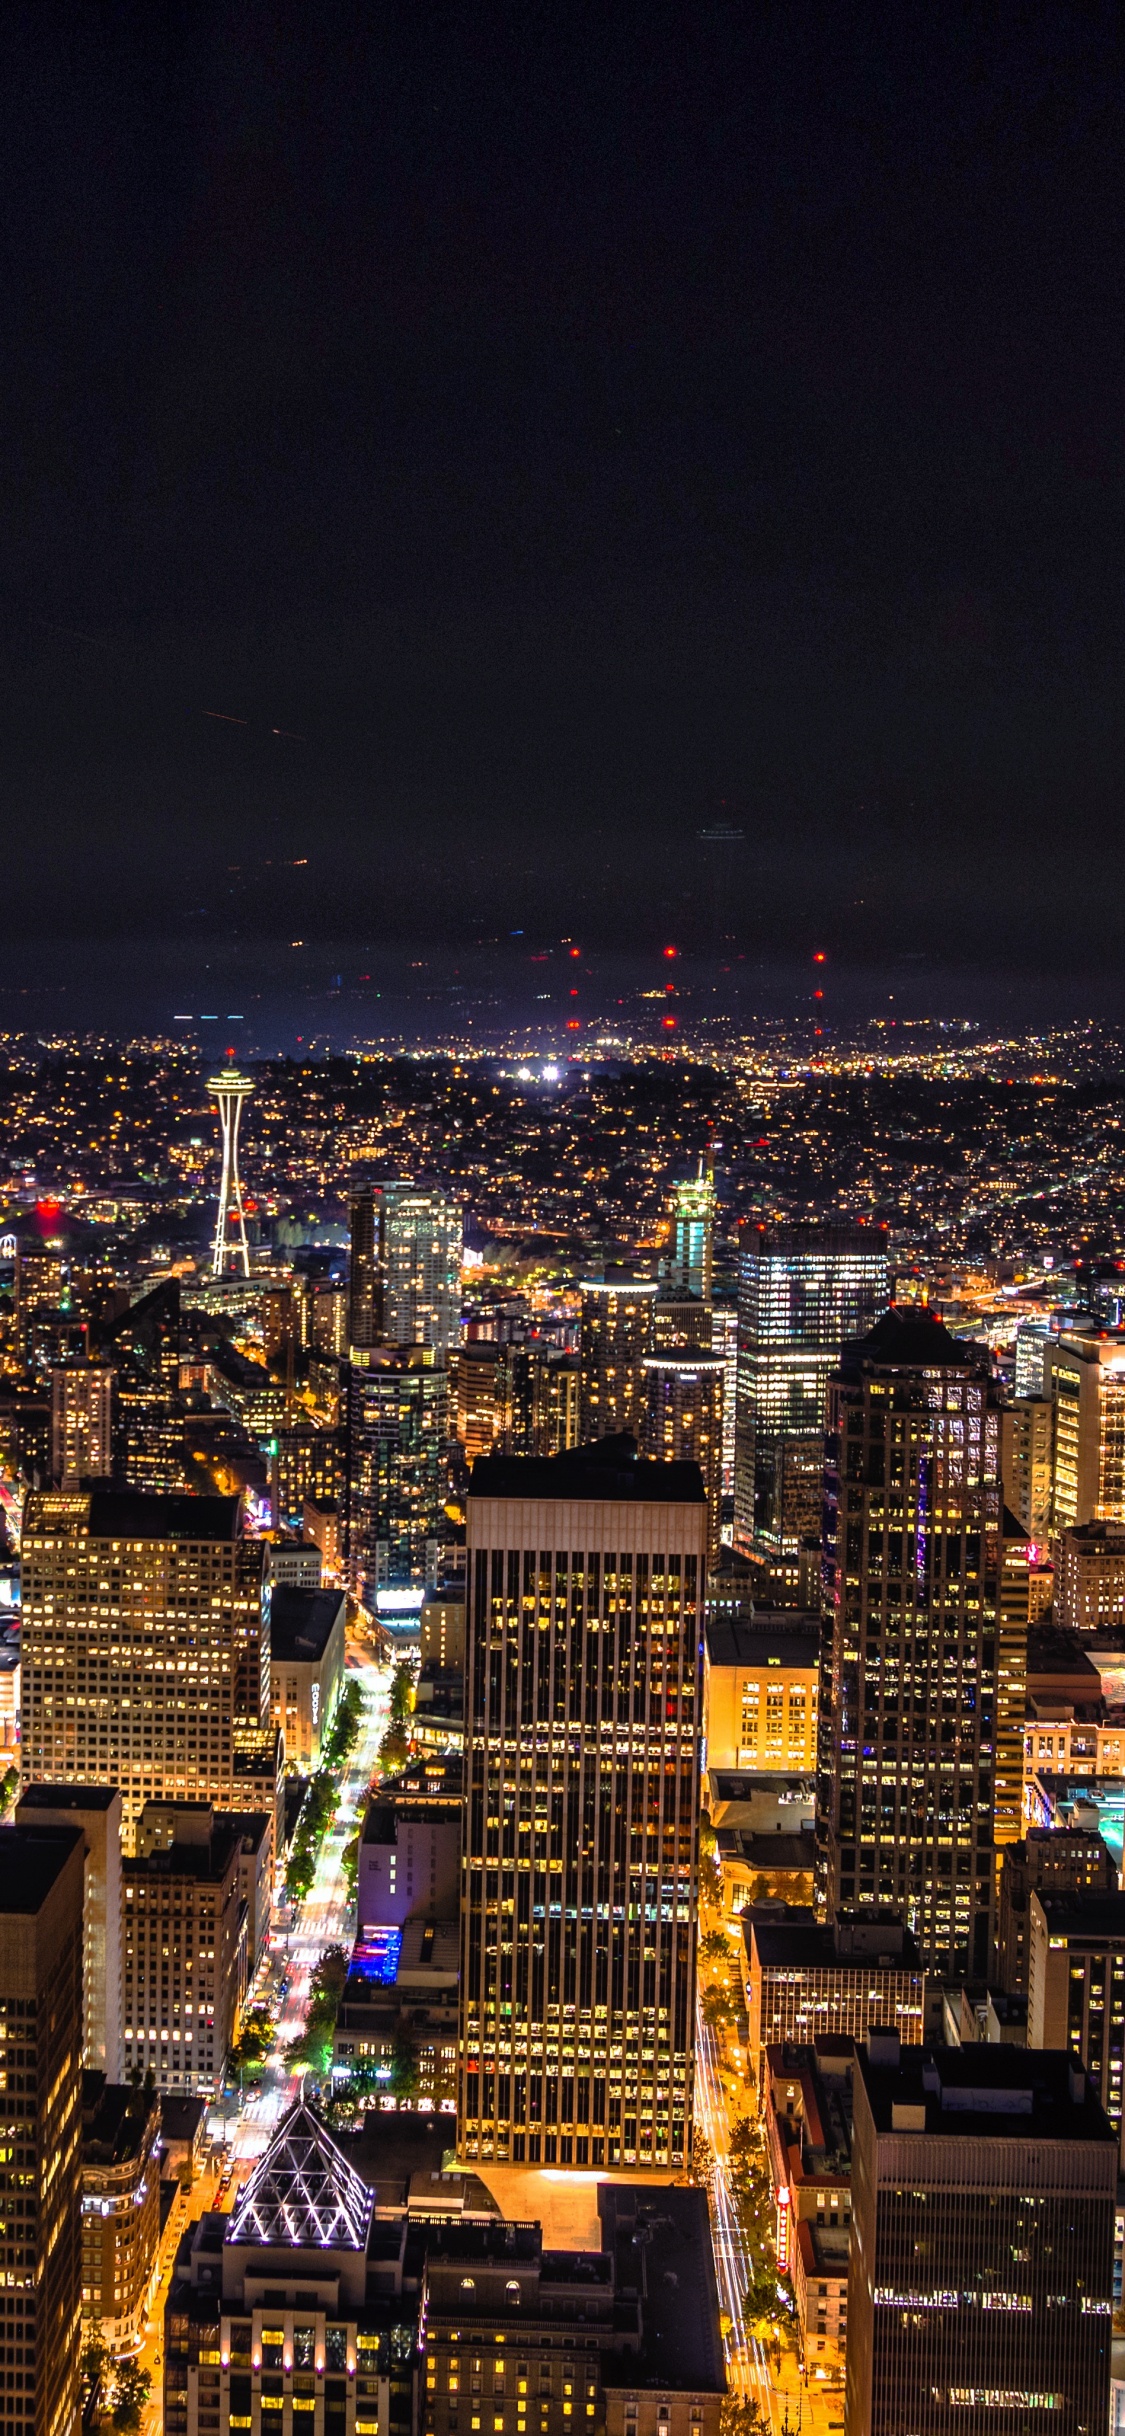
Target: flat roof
[(660, 2244), (1079, 1914), (302, 1622), (130, 1514), (986, 2092), (782, 1637), (811, 1946), (68, 1797), (608, 1469), (32, 1859)]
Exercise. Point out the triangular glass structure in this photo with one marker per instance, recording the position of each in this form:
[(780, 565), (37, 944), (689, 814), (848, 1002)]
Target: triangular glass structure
[(303, 2195)]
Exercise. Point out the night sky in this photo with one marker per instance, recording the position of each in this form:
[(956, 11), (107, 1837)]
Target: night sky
[(572, 428)]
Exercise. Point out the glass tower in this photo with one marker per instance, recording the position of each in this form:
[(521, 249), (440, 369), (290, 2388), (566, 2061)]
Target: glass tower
[(585, 1586), (803, 1291)]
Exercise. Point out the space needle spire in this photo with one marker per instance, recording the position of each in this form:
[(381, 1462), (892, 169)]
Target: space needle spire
[(231, 1253)]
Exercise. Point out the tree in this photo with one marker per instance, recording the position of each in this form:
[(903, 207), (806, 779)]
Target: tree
[(739, 2415), (132, 2386), (710, 1882), (715, 1945), (401, 1701), (703, 2165), (394, 1750), (95, 2361), (404, 2065), (718, 2008)]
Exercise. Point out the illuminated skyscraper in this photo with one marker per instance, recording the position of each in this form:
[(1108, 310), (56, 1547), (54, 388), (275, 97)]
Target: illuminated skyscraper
[(803, 1291), (395, 1475), (585, 1586), (908, 1694), (81, 1422), (684, 1423), (146, 1649), (693, 1233), (231, 1253), (40, 2158), (1084, 1378), (615, 1340), (421, 1265), (365, 1270)]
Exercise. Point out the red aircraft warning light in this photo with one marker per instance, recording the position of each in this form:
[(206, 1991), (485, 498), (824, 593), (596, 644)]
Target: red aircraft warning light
[(671, 951), (669, 1023), (818, 955)]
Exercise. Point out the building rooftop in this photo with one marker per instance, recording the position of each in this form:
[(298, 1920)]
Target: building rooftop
[(302, 1623), (31, 1860), (980, 2092), (782, 1637), (115, 2120), (68, 1797), (809, 1945), (608, 1469), (129, 1514), (911, 1339), (303, 2194), (660, 2244), (1083, 1914)]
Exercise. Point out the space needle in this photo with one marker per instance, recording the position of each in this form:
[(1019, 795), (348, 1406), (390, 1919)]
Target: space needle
[(231, 1254)]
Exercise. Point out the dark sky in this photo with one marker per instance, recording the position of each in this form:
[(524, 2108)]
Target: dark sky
[(573, 426)]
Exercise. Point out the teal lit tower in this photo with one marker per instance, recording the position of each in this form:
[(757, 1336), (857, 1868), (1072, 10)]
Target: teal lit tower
[(693, 1232)]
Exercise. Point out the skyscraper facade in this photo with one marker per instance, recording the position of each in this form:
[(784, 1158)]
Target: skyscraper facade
[(908, 1693), (81, 1422), (803, 1292), (693, 1234), (365, 1270), (1084, 1376), (585, 1583), (980, 2289), (41, 1873), (421, 1267), (395, 1466), (146, 1647), (616, 1336), (684, 1423)]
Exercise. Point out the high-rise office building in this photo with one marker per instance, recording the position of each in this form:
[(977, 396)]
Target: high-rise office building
[(1016, 1615), (724, 1344), (1076, 1985), (1090, 1577), (395, 1467), (1026, 1452), (909, 1669), (1084, 1380), (185, 1946), (365, 1270), (81, 1422), (585, 1584), (41, 1874), (803, 1292), (980, 2290), (693, 1235), (146, 1648), (683, 1422), (616, 1336), (421, 1265), (96, 1809), (1048, 1860)]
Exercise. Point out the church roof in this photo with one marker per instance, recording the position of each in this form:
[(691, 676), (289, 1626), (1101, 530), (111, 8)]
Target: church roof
[(303, 2194)]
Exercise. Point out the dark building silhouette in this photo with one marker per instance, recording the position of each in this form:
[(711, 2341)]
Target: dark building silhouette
[(41, 1883)]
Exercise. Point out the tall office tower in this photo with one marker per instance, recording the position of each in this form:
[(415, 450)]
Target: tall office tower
[(1049, 1860), (81, 1422), (582, 1752), (803, 1292), (180, 2008), (482, 1379), (42, 1290), (724, 1343), (1032, 1340), (1084, 1377), (365, 1270), (422, 1241), (980, 2291), (909, 1667), (1090, 1577), (1076, 1986), (40, 2160), (693, 1235), (96, 1809), (146, 1648), (1017, 1553), (1026, 1466), (616, 1336), (395, 1467), (684, 1423)]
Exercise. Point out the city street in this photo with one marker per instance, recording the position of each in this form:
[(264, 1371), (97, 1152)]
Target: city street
[(298, 1940)]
